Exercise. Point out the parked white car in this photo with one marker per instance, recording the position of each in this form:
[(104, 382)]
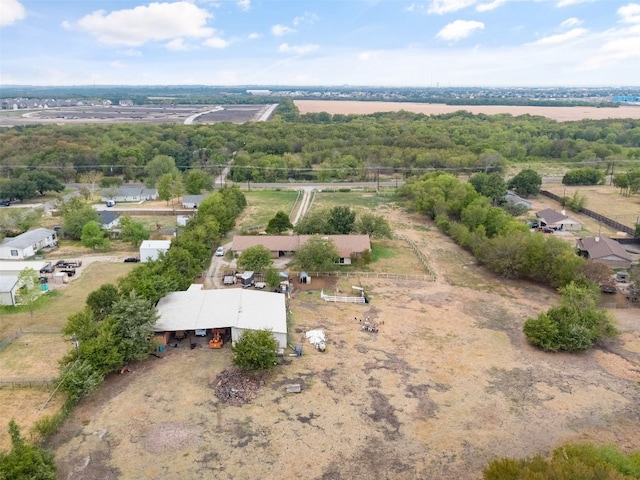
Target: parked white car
[(220, 252)]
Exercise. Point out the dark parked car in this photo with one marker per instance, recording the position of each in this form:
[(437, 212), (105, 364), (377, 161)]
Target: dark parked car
[(5, 203), (131, 260), (546, 229)]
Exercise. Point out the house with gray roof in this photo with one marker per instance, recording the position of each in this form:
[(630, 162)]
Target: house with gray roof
[(109, 219), (27, 244), (192, 201), (604, 250), (558, 220), (129, 193)]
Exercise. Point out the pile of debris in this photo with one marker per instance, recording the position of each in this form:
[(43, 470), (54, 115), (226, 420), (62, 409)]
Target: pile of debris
[(237, 387)]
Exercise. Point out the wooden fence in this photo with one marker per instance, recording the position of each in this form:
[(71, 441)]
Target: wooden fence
[(420, 256), (384, 275), (9, 339), (17, 382), (336, 298)]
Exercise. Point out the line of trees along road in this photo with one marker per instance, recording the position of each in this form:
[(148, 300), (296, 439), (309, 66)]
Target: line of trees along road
[(318, 146)]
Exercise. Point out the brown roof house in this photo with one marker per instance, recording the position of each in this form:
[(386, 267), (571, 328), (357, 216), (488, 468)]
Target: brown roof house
[(604, 250), (558, 220), (280, 245)]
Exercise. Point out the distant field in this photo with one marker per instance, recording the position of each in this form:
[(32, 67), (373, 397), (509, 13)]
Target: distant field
[(561, 114)]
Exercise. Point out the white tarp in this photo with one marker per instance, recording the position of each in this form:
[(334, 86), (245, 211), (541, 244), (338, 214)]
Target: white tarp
[(316, 337)]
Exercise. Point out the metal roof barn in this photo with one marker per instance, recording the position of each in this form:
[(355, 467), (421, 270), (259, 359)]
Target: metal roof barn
[(238, 309)]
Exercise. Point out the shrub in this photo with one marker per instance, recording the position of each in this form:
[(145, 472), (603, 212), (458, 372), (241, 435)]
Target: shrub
[(255, 350)]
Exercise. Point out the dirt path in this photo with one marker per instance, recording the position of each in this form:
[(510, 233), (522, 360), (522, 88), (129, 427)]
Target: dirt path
[(448, 384), (304, 204)]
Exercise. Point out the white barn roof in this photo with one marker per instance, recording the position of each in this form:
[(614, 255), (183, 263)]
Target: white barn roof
[(202, 309)]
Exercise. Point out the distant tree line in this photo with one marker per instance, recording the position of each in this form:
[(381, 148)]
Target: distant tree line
[(320, 146)]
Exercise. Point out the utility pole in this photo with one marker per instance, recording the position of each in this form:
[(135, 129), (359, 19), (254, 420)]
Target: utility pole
[(378, 179)]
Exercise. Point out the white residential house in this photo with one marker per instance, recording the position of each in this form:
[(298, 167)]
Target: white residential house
[(129, 193), (151, 249), (109, 219), (192, 201), (27, 244)]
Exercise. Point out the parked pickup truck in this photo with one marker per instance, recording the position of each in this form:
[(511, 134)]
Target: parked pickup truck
[(68, 263)]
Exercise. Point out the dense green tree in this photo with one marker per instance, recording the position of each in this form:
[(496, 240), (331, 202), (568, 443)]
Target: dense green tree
[(132, 232), (93, 236), (170, 186), (25, 461), (255, 350), (583, 176), (272, 277), (44, 181), (574, 325), (526, 183), (17, 188), (101, 301), (158, 166), (314, 222), (196, 181), (490, 185), (376, 226), (256, 258), (135, 317), (76, 214), (316, 254), (83, 324), (341, 220), (584, 461), (24, 220), (279, 223)]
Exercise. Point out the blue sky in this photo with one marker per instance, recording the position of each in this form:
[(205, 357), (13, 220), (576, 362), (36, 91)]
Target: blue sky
[(326, 42)]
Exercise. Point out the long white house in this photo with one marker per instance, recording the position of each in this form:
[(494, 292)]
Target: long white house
[(27, 244)]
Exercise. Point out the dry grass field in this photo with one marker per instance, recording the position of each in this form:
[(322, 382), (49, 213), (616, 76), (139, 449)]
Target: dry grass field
[(561, 114), (448, 384)]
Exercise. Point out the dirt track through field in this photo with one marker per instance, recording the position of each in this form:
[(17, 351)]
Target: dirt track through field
[(448, 384)]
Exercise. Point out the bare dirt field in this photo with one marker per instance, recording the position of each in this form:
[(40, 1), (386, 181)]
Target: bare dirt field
[(448, 384), (561, 114)]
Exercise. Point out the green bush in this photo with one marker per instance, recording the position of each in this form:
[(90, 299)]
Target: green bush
[(255, 350)]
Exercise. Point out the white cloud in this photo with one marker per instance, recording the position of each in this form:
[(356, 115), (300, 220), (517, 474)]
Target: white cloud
[(308, 18), (154, 22), (177, 45), (297, 49), (11, 11), (281, 30), (571, 22), (130, 52), (567, 3), (630, 13), (485, 7), (441, 7), (216, 42), (244, 5), (459, 29), (561, 37), (117, 64), (254, 36), (367, 56)]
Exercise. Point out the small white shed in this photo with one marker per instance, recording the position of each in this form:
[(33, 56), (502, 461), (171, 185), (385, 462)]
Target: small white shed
[(151, 249)]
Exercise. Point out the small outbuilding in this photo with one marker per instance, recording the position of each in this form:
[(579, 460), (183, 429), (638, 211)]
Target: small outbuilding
[(151, 249)]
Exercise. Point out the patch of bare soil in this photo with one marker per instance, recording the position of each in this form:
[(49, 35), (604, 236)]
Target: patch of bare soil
[(446, 385)]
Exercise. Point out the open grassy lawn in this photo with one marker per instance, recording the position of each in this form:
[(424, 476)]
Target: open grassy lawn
[(34, 355), (359, 201), (69, 299), (262, 205)]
